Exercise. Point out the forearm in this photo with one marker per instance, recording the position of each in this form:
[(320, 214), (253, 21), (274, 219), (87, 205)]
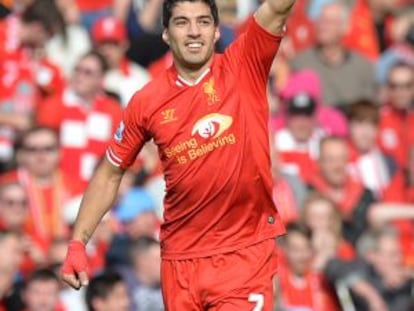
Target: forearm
[(384, 212), (149, 15), (272, 14), (98, 199)]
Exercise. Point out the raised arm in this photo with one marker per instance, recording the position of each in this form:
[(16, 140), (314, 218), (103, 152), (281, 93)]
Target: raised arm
[(272, 14), (98, 199)]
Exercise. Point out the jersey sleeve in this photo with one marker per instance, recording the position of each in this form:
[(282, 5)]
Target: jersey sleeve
[(130, 136), (254, 51)]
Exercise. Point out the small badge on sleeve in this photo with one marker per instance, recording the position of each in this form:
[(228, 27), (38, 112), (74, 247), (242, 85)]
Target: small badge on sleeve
[(119, 132)]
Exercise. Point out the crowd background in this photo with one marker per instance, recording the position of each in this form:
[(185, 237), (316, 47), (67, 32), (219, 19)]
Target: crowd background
[(341, 96)]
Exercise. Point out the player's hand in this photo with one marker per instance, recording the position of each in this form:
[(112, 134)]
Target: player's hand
[(75, 268)]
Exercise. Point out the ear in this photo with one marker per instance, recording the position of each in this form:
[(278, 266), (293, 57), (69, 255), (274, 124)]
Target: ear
[(217, 35), (165, 36)]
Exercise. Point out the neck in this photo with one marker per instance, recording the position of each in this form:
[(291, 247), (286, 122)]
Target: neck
[(333, 54), (44, 180), (192, 75)]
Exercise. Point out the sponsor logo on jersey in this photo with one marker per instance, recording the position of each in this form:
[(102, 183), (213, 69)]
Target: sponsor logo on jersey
[(212, 125), (168, 116), (119, 132)]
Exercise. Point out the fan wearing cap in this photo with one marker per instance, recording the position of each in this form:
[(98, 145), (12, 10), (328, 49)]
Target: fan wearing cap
[(298, 142), (124, 77)]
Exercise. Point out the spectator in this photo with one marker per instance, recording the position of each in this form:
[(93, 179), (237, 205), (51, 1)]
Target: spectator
[(65, 48), (92, 10), (376, 171), (299, 287), (306, 81), (397, 117), (107, 292), (289, 191), (143, 277), (84, 117), (351, 197), (11, 257), (13, 216), (124, 77), (298, 143), (401, 217), (370, 26), (41, 291), (26, 75), (136, 212), (378, 281), (345, 75), (322, 216), (48, 187), (402, 50)]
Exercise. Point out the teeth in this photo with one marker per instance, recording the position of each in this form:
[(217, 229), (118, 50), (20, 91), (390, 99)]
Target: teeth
[(194, 45)]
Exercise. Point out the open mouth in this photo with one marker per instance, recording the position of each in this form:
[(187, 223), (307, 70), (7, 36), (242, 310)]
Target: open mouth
[(194, 46)]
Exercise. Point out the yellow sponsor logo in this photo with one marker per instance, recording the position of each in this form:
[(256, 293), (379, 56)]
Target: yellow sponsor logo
[(210, 90)]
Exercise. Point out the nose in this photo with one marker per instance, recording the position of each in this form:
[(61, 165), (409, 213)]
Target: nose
[(193, 29)]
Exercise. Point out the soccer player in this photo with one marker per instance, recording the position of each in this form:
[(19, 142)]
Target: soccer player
[(208, 115)]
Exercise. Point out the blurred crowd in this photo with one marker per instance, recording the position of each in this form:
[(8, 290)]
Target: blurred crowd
[(341, 96)]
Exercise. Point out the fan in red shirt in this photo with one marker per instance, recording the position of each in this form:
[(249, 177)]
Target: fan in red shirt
[(84, 116), (208, 114), (396, 126), (25, 74)]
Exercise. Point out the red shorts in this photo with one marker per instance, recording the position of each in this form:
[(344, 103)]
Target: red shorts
[(236, 281)]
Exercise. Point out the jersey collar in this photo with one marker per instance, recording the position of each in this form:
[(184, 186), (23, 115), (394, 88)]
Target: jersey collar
[(181, 82)]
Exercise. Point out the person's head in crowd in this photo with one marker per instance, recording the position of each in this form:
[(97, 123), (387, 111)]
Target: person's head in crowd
[(136, 212), (107, 292), (382, 249), (179, 13), (400, 86), (88, 74), (301, 116), (12, 252), (109, 36), (321, 214), (333, 160), (40, 20), (41, 291), (56, 252), (298, 248), (363, 125), (38, 151), (146, 260), (13, 206), (332, 24)]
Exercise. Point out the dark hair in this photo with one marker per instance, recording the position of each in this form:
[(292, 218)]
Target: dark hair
[(170, 4), (141, 245), (101, 59), (21, 139), (364, 110), (42, 275), (46, 13), (299, 228), (100, 287)]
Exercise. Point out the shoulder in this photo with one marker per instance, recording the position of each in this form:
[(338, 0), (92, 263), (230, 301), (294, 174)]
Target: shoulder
[(152, 94), (305, 56), (360, 59)]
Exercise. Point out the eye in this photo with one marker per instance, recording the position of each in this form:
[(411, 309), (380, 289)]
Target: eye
[(181, 22), (205, 22)]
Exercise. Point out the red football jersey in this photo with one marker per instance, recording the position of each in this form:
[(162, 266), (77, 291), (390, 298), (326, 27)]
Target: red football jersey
[(214, 147)]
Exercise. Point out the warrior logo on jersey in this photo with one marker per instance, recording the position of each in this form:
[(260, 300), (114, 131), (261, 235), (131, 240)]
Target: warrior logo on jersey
[(119, 132), (212, 125)]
